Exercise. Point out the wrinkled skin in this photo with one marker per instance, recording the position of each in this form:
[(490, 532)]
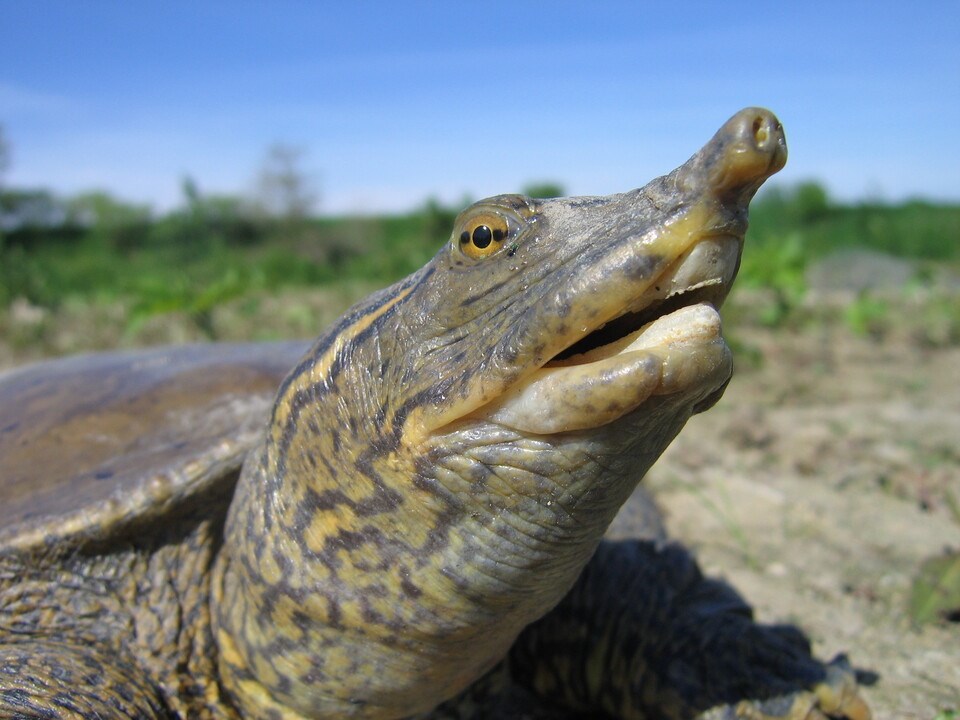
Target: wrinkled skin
[(419, 529)]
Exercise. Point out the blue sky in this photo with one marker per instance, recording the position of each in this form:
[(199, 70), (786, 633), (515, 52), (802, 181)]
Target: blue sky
[(395, 102)]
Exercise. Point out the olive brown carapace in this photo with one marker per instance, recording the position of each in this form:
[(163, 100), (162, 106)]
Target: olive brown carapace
[(409, 523)]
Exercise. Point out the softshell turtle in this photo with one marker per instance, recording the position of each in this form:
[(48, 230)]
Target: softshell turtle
[(409, 522)]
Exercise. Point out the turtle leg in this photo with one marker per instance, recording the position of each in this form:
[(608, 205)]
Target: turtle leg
[(49, 679), (643, 634)]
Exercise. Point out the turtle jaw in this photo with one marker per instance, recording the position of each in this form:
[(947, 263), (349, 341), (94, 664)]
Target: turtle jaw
[(667, 341)]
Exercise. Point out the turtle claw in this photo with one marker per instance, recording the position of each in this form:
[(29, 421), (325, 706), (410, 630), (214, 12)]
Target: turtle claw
[(836, 698), (839, 694)]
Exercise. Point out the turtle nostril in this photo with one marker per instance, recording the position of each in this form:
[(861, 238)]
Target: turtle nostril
[(760, 130), (766, 131)]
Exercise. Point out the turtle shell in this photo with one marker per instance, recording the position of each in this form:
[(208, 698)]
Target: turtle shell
[(93, 443)]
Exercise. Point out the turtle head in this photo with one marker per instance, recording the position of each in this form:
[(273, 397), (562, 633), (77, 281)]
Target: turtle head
[(442, 464), (568, 314)]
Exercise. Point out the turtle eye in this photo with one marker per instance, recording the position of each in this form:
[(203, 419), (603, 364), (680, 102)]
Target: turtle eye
[(482, 235)]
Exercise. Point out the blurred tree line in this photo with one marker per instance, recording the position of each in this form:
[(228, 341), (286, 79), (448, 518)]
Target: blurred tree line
[(283, 198)]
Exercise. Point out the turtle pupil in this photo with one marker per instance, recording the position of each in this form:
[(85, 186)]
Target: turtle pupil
[(482, 236)]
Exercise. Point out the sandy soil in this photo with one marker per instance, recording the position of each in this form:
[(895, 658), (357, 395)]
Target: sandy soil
[(817, 486)]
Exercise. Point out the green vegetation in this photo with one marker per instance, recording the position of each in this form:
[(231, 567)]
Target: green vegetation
[(544, 189), (917, 230), (935, 595), (191, 259), (214, 249), (794, 227)]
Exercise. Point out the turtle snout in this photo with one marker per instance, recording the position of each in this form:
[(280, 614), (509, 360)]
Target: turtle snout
[(750, 147)]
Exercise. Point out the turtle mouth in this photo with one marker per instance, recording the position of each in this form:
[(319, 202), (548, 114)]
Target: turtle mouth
[(701, 276), (667, 340), (632, 323)]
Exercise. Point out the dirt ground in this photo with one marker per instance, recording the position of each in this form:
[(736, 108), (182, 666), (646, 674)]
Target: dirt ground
[(817, 486)]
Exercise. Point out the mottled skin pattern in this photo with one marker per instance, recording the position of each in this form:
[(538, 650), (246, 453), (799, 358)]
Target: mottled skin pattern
[(409, 536), (125, 627)]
